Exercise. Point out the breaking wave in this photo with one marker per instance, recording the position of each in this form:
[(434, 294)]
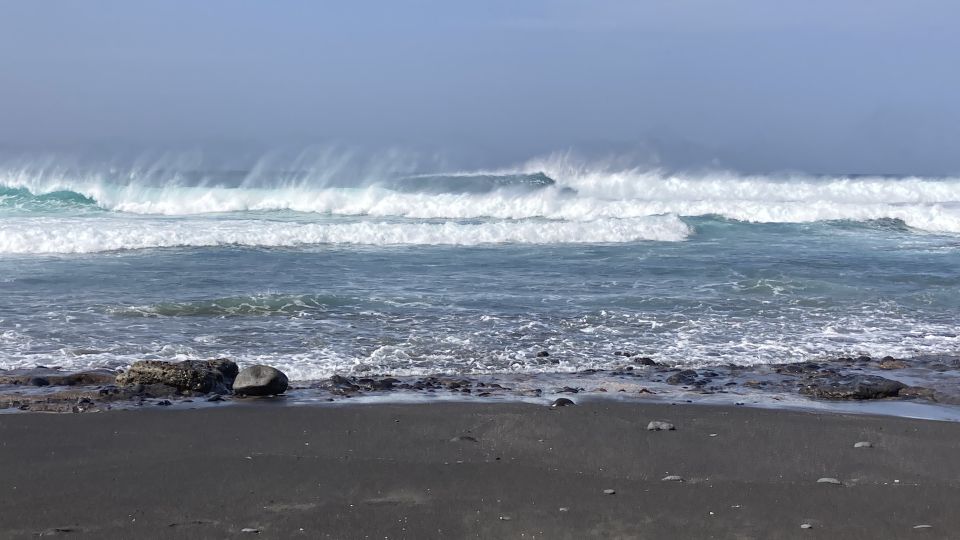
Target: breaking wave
[(85, 235)]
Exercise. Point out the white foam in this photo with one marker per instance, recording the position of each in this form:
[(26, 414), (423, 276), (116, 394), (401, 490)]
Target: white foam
[(90, 235), (582, 193)]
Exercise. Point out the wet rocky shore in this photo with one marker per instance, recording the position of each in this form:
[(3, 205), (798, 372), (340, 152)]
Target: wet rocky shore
[(213, 382)]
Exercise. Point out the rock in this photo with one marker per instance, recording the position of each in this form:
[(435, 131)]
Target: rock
[(464, 438), (260, 380), (203, 376), (215, 397), (647, 362), (561, 402), (609, 491), (543, 354), (863, 444), (56, 377), (832, 481), (250, 530), (806, 526), (685, 377), (918, 392), (923, 526), (889, 362), (853, 387), (658, 425), (672, 478)]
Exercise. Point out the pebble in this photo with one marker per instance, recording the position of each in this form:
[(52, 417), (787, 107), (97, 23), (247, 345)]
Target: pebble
[(561, 402), (923, 526), (863, 444), (672, 478), (609, 491), (658, 425), (833, 481), (250, 530), (464, 438), (806, 526), (504, 518), (564, 509)]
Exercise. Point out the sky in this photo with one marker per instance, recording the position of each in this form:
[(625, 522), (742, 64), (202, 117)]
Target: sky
[(859, 86)]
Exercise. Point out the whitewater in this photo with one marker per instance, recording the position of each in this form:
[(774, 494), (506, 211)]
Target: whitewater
[(392, 271)]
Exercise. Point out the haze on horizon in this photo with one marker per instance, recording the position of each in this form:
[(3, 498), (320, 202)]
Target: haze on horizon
[(756, 86)]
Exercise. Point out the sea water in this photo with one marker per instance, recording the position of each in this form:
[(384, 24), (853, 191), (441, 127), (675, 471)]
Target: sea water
[(472, 272)]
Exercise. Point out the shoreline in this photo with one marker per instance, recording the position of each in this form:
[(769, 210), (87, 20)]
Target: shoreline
[(861, 385), (452, 470)]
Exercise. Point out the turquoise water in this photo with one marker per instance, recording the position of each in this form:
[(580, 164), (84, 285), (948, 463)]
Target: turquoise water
[(474, 273)]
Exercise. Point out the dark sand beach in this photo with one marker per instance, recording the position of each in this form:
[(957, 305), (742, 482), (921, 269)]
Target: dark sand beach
[(472, 470)]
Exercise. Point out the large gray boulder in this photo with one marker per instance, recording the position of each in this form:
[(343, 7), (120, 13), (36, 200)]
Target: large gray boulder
[(202, 376), (260, 380)]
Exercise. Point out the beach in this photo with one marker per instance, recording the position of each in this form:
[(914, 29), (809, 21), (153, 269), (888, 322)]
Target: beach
[(476, 470)]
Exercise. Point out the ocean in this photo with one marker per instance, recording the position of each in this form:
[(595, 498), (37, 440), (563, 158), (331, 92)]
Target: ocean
[(472, 272)]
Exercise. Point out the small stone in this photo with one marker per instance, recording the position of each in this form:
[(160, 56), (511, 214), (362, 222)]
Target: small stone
[(463, 438), (672, 478), (564, 509), (543, 354), (863, 444), (561, 402), (250, 530), (923, 526), (609, 491), (658, 425), (833, 481), (164, 403), (505, 518), (806, 526), (215, 397)]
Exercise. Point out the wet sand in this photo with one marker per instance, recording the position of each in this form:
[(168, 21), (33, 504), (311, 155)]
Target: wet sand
[(476, 470)]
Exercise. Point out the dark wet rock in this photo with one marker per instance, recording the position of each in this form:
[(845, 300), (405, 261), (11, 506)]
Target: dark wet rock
[(343, 385), (892, 363), (561, 402), (623, 353), (659, 425), (164, 403), (918, 392), (685, 377), (543, 354), (647, 362), (203, 376), (227, 368), (215, 397), (863, 359), (260, 380), (569, 390), (56, 377), (853, 387)]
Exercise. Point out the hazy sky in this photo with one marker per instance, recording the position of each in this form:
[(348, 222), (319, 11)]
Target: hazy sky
[(755, 85)]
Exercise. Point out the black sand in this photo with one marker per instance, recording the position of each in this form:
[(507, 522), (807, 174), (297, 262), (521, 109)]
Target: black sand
[(393, 471)]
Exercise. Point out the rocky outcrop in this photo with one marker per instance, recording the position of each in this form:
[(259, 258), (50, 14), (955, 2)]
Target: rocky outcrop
[(260, 380), (200, 376), (853, 387), (42, 376)]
